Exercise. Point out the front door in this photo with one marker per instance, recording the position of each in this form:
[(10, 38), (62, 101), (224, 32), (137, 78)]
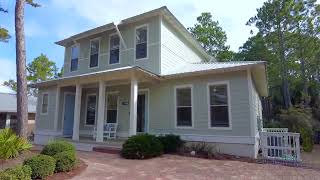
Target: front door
[(69, 100), (141, 113)]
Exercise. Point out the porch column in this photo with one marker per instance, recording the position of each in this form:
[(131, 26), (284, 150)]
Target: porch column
[(8, 120), (133, 107), (101, 109), (77, 105), (56, 113)]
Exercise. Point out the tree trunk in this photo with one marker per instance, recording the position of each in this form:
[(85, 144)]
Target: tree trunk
[(22, 99)]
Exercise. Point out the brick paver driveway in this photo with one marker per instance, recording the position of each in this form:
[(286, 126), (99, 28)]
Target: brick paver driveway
[(109, 166)]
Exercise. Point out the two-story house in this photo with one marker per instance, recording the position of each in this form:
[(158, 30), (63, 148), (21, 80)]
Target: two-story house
[(148, 74)]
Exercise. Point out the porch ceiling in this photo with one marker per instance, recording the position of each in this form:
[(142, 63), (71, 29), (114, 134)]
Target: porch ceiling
[(118, 74)]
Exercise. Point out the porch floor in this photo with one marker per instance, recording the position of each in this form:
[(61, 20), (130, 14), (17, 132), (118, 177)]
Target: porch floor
[(88, 143)]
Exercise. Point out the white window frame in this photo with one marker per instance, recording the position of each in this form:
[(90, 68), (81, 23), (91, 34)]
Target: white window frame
[(42, 98), (135, 32), (113, 34), (86, 110), (106, 116), (99, 50), (74, 45), (229, 105), (175, 106)]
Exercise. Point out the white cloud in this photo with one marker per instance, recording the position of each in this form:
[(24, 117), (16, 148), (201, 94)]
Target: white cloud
[(232, 14), (7, 69)]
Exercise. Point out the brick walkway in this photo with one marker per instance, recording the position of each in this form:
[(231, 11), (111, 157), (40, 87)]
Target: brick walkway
[(108, 166)]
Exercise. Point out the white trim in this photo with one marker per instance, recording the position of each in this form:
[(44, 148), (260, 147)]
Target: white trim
[(74, 45), (135, 32), (249, 80), (57, 107), (86, 111), (41, 112), (229, 104), (63, 110), (146, 91), (219, 139), (175, 106), (108, 63), (106, 108), (99, 50)]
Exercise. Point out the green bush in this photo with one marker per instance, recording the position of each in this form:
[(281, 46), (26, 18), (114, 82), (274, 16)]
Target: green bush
[(41, 166), (56, 147), (16, 173), (65, 161), (307, 141), (11, 145), (171, 143), (142, 146)]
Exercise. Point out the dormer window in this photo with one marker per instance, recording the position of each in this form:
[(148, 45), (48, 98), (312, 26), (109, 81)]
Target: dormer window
[(141, 42), (74, 58), (114, 49), (94, 53)]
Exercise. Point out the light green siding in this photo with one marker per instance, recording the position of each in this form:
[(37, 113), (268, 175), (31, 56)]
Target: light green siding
[(162, 105), (46, 121), (127, 56)]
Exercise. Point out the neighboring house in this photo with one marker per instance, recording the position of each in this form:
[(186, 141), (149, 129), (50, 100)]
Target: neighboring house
[(149, 75), (8, 110)]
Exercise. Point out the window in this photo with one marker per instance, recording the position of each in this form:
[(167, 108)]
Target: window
[(114, 49), (141, 42), (112, 108), (74, 58), (219, 105), (91, 109), (44, 105), (94, 53), (184, 106)]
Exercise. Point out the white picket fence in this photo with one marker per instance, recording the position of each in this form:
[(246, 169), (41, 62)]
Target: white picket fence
[(279, 144)]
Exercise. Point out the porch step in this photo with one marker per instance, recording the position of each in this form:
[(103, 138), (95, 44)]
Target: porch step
[(104, 149)]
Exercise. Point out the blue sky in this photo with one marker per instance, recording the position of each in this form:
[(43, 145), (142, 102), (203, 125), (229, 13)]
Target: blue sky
[(58, 19)]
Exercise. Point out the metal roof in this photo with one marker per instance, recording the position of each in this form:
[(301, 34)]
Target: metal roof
[(8, 103)]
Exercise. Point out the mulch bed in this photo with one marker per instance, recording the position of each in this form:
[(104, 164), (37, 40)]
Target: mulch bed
[(81, 166), (221, 157)]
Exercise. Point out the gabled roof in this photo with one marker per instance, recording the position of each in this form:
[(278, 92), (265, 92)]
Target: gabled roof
[(163, 11), (8, 103)]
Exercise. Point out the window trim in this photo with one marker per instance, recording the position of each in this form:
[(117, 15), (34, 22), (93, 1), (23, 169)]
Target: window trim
[(44, 93), (106, 108), (99, 50), (74, 45), (229, 105), (175, 106), (135, 32), (109, 53), (86, 111)]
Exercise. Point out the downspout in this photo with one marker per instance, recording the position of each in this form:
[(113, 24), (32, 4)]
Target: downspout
[(119, 34)]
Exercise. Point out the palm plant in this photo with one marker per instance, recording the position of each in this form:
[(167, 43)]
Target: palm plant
[(12, 145)]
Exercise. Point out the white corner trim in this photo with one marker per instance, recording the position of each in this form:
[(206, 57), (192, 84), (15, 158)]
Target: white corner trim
[(175, 106), (86, 110), (148, 41), (229, 104)]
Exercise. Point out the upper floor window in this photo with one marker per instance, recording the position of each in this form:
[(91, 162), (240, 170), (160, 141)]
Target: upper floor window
[(114, 49), (44, 104), (183, 106), (94, 53), (74, 58), (219, 105), (141, 42)]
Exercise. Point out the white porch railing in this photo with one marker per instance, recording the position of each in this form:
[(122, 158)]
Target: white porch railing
[(280, 145), (274, 129)]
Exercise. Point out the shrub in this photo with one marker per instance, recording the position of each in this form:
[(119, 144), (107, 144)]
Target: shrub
[(16, 173), (41, 166), (307, 141), (142, 146), (201, 148), (56, 147), (171, 143), (65, 161), (11, 145)]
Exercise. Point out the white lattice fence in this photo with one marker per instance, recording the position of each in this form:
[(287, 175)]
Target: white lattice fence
[(274, 129), (280, 146)]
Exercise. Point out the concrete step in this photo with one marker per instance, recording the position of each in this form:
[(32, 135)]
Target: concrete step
[(105, 149)]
